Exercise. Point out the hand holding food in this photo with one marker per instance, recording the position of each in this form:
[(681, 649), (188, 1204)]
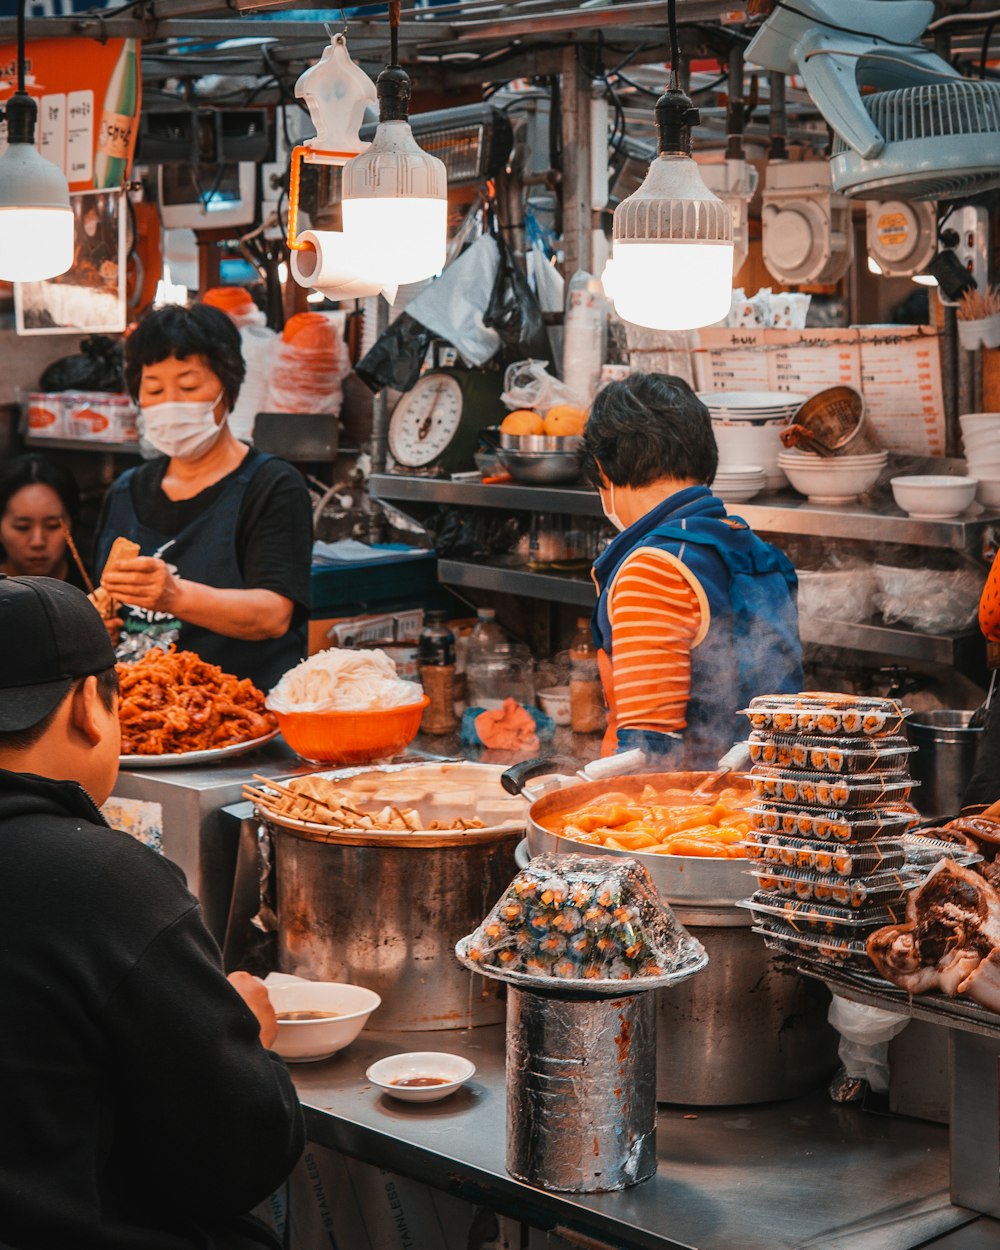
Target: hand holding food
[(143, 582), (102, 599)]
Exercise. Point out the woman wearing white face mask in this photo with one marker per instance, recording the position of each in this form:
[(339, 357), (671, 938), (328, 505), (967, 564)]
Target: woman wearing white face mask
[(696, 615), (225, 532)]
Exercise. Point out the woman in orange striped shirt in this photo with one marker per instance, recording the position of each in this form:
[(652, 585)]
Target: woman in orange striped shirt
[(984, 785), (696, 614)]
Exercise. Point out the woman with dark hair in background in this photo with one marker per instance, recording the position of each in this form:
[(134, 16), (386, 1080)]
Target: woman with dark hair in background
[(39, 504), (696, 613), (225, 532)]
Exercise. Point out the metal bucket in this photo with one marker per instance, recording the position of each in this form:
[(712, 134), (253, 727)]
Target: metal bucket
[(745, 1029), (581, 1091), (388, 916), (945, 759)]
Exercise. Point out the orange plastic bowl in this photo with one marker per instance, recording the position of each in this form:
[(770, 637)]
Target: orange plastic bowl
[(351, 737)]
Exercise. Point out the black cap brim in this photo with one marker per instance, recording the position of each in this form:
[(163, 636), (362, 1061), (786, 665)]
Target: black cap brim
[(24, 706)]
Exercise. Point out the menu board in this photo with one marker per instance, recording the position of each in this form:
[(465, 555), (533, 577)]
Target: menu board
[(897, 369)]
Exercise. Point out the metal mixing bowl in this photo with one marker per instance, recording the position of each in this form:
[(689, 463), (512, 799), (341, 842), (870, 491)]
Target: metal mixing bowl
[(541, 466)]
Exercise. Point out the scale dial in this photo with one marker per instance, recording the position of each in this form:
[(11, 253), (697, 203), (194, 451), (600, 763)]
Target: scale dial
[(426, 420)]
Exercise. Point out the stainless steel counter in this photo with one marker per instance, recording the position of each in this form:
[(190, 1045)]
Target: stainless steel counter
[(801, 1175)]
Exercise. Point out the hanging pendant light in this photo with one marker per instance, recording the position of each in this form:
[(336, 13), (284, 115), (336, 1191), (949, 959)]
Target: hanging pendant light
[(671, 264), (395, 195), (36, 221)]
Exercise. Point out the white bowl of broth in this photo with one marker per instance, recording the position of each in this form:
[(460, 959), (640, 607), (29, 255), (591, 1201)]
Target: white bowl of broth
[(318, 1018), (421, 1075)]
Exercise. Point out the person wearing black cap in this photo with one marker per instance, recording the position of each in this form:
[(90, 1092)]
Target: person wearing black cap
[(140, 1107)]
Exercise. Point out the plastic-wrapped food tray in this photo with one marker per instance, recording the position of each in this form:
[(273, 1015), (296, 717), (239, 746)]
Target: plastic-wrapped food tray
[(823, 919), (845, 756), (785, 941), (883, 889), (828, 714), (823, 790), (859, 825), (924, 852), (775, 851)]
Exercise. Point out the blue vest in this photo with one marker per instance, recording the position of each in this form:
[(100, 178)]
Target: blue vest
[(752, 645), (205, 552)]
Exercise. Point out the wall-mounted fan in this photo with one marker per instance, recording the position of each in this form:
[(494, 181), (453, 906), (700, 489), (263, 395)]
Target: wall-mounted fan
[(924, 133)]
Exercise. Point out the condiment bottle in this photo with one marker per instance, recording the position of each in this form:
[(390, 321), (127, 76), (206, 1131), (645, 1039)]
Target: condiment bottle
[(485, 637), (436, 654), (586, 694)]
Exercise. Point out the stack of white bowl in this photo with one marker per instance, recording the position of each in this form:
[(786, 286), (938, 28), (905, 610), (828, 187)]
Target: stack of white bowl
[(747, 427), (832, 479), (736, 483), (981, 437)]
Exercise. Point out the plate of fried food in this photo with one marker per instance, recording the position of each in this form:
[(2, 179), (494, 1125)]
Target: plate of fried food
[(176, 709)]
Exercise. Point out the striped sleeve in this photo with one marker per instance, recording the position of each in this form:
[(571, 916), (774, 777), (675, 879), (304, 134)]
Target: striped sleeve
[(658, 613), (989, 604)]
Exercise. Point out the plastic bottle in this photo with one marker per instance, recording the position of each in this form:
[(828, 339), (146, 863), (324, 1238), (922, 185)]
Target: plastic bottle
[(584, 335), (586, 694), (436, 655), (486, 635), (118, 118)]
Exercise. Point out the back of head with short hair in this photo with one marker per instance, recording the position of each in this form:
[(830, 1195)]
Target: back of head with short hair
[(182, 332), (25, 739), (647, 427)]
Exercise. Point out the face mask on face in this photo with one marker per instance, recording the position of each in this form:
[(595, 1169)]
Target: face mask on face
[(609, 509), (184, 430)]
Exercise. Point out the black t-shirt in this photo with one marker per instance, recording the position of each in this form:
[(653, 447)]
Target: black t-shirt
[(273, 531)]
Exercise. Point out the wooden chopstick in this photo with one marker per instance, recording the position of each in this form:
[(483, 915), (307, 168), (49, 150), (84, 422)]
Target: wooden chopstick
[(76, 556)]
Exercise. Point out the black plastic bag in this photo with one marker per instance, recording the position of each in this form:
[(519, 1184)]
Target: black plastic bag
[(515, 314), (470, 534), (396, 356), (99, 366)]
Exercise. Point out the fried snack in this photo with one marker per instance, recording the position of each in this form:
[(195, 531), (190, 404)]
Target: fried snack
[(172, 702), (660, 822), (107, 605), (320, 801)]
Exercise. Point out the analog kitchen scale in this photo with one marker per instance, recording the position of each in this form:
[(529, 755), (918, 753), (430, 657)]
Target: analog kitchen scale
[(434, 428)]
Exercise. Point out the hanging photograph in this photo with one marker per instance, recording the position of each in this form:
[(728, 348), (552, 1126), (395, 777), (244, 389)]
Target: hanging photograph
[(90, 296)]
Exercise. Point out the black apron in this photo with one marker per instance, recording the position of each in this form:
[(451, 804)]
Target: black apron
[(203, 551)]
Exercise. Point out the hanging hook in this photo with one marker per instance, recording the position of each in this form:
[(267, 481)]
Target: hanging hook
[(341, 33)]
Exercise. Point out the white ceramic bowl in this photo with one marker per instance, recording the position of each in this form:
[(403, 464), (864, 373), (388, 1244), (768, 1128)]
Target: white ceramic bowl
[(933, 498), (989, 440), (420, 1063), (302, 1041), (555, 702), (745, 443), (979, 421), (984, 466), (988, 490), (830, 480)]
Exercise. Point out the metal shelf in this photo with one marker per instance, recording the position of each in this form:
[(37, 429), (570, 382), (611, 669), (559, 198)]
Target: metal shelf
[(778, 513), (962, 651), (82, 444), (549, 586), (573, 500)]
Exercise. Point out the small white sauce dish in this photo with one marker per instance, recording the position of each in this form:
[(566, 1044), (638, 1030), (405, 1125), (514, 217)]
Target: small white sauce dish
[(415, 1064), (304, 1041)]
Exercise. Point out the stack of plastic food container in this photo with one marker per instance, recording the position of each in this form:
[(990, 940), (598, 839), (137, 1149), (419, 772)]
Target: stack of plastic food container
[(831, 789)]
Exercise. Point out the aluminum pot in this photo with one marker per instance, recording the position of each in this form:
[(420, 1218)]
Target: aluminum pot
[(744, 1030), (384, 910)]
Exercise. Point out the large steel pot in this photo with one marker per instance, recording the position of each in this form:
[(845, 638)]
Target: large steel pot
[(384, 910), (744, 1030)]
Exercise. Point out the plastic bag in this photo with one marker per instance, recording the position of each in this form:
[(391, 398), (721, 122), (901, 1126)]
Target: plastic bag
[(99, 366), (454, 305), (528, 384), (514, 313), (397, 355), (308, 365), (929, 600), (865, 1034), (838, 592)]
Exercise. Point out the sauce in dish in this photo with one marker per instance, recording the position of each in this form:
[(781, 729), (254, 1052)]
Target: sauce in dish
[(287, 1017), (420, 1082)]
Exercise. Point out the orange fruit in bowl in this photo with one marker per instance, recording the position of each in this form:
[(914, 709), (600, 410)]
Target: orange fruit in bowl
[(522, 421), (564, 420)]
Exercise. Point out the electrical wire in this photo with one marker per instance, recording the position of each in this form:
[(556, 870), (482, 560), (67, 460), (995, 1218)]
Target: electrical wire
[(22, 6), (674, 45), (870, 54)]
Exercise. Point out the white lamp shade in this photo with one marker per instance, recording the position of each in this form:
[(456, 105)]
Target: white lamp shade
[(672, 255), (409, 236), (395, 204), (671, 286), (36, 221)]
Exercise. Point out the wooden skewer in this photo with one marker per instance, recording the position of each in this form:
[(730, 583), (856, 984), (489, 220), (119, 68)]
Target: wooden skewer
[(76, 556)]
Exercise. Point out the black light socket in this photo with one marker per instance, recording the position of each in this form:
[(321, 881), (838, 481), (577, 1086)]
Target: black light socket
[(952, 276), (21, 112), (393, 89), (675, 116)]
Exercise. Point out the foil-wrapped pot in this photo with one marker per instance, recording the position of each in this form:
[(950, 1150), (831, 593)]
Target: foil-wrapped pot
[(582, 926)]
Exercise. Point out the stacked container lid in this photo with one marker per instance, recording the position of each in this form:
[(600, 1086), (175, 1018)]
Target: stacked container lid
[(831, 788)]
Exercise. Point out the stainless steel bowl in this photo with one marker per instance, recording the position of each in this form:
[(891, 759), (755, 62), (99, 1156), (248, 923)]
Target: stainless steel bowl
[(541, 466), (541, 442)]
